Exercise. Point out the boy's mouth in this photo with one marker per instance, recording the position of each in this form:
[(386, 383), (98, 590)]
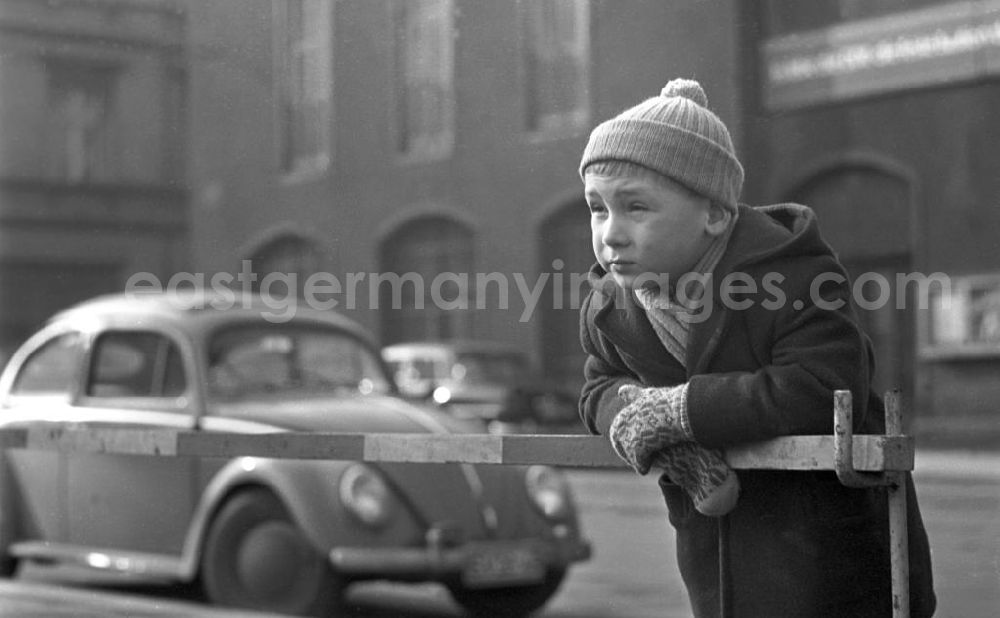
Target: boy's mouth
[(620, 264)]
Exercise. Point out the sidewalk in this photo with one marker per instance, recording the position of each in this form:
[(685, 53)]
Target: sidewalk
[(20, 598), (957, 462)]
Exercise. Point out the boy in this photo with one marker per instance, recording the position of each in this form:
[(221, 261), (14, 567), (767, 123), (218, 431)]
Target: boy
[(710, 324)]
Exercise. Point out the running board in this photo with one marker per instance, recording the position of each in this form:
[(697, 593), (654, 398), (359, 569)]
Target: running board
[(158, 566)]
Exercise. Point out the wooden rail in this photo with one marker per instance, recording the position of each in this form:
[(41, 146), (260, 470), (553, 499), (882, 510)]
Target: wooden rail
[(870, 453)]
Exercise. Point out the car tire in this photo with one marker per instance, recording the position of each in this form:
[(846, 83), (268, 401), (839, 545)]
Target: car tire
[(8, 563), (255, 557), (512, 602), (8, 566)]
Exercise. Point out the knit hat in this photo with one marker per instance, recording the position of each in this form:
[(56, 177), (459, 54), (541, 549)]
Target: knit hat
[(676, 135)]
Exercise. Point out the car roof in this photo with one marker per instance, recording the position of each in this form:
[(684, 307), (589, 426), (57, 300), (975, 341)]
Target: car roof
[(202, 309)]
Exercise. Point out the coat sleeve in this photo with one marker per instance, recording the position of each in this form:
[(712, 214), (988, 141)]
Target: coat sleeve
[(813, 346), (604, 372)]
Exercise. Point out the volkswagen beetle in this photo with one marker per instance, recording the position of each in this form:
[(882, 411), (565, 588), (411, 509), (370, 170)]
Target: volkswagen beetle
[(273, 534)]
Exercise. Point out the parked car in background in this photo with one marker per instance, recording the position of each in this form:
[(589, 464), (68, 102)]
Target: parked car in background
[(491, 381), (279, 535)]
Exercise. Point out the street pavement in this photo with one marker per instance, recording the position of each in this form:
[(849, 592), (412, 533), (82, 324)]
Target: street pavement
[(960, 502), (632, 573), (959, 494)]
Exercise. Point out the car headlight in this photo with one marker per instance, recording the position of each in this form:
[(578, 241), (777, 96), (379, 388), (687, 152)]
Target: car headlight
[(441, 395), (549, 491), (366, 495)]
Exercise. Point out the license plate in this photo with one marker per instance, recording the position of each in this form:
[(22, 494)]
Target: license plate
[(502, 566)]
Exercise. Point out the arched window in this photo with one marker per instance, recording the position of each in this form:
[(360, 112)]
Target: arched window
[(566, 254), (284, 262), (864, 210), (420, 287)]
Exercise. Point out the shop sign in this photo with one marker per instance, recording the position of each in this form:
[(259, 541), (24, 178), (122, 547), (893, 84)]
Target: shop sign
[(961, 318), (935, 46)]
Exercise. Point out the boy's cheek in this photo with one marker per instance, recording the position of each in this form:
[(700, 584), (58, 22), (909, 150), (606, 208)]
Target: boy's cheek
[(597, 247), (600, 260)]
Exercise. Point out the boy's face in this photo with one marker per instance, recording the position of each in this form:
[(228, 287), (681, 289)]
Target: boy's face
[(647, 224)]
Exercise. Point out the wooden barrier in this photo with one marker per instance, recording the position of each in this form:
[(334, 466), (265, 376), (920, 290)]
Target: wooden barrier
[(870, 453), (858, 460)]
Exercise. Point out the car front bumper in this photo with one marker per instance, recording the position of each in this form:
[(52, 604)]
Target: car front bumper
[(491, 562)]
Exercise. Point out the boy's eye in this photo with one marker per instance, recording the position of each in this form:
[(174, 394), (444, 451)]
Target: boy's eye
[(637, 206), (596, 209)]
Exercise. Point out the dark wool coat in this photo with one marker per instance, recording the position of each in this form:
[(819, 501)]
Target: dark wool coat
[(760, 364)]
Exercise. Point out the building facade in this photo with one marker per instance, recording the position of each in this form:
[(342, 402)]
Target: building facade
[(881, 117), (92, 119), (412, 163), (418, 158)]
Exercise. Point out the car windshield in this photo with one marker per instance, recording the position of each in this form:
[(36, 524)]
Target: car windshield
[(287, 359), (489, 367)]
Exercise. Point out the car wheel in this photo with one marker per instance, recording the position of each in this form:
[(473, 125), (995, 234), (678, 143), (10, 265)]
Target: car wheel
[(256, 558), (512, 602), (8, 563)]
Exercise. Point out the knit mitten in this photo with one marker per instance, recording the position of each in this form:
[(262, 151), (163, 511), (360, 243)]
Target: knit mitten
[(653, 431), (703, 474), (653, 419)]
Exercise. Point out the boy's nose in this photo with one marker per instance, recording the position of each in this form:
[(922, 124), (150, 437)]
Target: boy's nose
[(614, 233)]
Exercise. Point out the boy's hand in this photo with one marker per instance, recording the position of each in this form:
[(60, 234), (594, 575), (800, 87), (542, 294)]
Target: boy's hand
[(703, 473), (654, 419)]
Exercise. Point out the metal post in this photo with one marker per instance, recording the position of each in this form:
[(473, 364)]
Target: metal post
[(895, 482), (899, 551)]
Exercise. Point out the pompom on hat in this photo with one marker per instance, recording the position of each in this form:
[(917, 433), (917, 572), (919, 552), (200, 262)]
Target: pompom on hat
[(674, 134)]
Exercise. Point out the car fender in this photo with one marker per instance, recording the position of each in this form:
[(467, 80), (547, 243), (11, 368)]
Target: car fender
[(309, 490), (276, 476)]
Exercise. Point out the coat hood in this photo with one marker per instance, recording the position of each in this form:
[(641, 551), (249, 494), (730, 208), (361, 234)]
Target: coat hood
[(773, 232)]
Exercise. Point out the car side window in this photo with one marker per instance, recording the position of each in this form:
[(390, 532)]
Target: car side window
[(51, 369), (414, 377), (135, 364)]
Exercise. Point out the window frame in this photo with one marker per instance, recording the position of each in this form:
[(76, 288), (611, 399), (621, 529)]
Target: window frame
[(164, 345), (423, 146), (563, 121), (953, 319), (186, 403), (76, 372), (292, 99), (94, 159)]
